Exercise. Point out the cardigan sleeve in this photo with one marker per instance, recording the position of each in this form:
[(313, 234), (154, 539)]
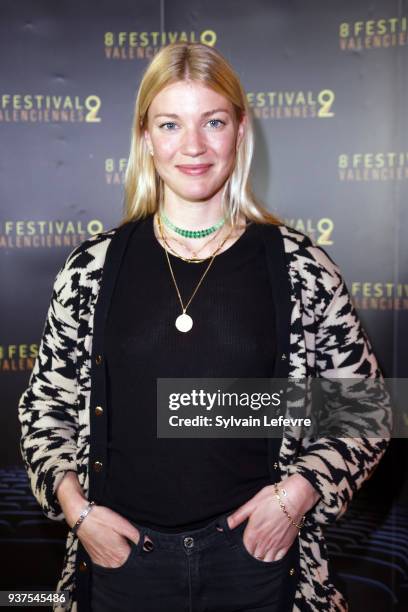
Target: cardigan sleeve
[(338, 466), (47, 408)]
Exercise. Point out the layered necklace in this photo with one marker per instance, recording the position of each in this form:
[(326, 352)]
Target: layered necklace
[(184, 322), (194, 258), (192, 233)]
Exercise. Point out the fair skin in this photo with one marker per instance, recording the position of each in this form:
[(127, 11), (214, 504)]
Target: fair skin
[(183, 129)]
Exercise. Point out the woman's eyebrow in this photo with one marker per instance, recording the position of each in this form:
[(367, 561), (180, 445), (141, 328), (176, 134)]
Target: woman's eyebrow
[(206, 114)]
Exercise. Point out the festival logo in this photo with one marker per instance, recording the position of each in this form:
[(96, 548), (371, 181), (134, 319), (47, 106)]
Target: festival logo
[(318, 230), (17, 357), (41, 108), (115, 170), (292, 104), (47, 234), (379, 295), (368, 166), (145, 45), (373, 34)]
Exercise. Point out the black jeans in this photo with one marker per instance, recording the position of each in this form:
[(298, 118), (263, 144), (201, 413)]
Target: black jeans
[(204, 570)]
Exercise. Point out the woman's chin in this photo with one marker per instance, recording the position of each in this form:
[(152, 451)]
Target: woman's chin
[(198, 194)]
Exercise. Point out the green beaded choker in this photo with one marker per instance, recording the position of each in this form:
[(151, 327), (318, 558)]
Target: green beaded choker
[(191, 233)]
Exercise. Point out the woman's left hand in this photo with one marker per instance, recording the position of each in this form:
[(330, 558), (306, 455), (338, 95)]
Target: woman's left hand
[(269, 534)]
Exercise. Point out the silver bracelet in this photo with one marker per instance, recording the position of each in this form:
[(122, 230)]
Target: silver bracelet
[(83, 514)]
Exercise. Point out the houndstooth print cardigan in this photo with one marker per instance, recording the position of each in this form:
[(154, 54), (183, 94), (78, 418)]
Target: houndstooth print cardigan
[(319, 335)]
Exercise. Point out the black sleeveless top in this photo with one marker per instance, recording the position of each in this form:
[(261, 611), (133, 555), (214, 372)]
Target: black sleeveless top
[(180, 484)]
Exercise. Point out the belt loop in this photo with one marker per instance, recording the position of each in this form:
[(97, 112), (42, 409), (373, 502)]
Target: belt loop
[(222, 522), (140, 543)]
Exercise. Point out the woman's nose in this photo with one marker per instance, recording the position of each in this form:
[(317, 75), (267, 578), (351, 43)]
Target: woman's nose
[(193, 143)]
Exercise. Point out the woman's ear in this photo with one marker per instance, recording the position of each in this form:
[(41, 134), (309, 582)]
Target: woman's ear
[(241, 129)]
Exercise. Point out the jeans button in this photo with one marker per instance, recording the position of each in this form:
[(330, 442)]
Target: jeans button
[(148, 545), (188, 542)]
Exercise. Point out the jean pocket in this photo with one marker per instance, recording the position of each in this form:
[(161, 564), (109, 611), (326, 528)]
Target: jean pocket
[(134, 549), (238, 542)]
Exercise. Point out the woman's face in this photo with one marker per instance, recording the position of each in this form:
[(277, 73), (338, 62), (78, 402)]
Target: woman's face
[(194, 134)]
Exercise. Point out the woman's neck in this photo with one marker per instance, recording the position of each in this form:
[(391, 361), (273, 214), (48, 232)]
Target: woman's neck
[(188, 247), (193, 215)]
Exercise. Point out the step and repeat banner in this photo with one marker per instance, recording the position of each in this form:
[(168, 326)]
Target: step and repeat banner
[(327, 86)]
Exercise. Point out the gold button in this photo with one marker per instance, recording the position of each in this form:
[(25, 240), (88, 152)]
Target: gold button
[(275, 465), (83, 566), (98, 410), (292, 571), (97, 466), (98, 359)]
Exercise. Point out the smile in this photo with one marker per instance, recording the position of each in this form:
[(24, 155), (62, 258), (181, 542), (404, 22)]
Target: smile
[(194, 170)]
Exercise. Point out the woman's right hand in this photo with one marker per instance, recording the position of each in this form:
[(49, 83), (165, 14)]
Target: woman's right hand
[(103, 534), (103, 531)]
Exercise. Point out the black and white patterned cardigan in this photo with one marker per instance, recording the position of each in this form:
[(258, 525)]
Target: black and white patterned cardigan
[(319, 335)]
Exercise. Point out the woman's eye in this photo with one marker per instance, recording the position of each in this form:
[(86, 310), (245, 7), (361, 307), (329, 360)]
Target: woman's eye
[(216, 121), (171, 123)]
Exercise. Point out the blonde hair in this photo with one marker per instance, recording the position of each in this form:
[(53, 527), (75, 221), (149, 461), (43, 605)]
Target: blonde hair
[(143, 186)]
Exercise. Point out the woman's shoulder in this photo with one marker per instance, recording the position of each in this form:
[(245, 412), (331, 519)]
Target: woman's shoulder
[(309, 261), (301, 245), (91, 251), (83, 263)]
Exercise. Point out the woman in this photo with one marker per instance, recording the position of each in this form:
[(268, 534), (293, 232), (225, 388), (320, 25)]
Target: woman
[(199, 280)]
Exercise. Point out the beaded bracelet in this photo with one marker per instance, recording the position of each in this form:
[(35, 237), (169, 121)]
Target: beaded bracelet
[(282, 505), (83, 514)]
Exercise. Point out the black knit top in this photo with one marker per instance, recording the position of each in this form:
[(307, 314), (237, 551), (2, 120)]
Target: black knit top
[(179, 484)]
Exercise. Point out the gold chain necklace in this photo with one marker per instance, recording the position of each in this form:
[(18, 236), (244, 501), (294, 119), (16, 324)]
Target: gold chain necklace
[(193, 259), (184, 322)]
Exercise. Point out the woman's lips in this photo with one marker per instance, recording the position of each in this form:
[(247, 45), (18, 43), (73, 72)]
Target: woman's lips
[(195, 169)]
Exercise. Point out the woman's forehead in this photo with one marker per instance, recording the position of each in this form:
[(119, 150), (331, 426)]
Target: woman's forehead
[(184, 96)]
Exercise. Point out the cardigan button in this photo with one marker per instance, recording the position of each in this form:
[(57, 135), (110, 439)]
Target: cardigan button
[(283, 356), (292, 571), (83, 566), (98, 359), (97, 466), (98, 410)]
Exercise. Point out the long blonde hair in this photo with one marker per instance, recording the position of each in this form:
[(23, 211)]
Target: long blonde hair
[(143, 186)]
